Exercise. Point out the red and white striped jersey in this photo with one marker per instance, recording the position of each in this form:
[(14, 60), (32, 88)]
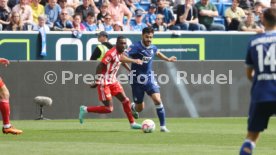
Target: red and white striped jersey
[(112, 60)]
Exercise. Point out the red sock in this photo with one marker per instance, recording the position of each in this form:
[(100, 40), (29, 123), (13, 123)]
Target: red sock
[(127, 110), (100, 109), (5, 111)]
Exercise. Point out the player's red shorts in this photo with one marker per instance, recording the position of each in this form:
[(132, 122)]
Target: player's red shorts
[(1, 83), (106, 92)]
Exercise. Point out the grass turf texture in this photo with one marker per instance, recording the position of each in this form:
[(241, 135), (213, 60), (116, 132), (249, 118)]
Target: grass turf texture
[(208, 136)]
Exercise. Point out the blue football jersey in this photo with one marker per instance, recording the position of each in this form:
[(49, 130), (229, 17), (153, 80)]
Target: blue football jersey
[(261, 56), (139, 51)]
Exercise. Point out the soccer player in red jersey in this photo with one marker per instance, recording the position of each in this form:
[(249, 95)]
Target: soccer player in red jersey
[(108, 85), (5, 105)]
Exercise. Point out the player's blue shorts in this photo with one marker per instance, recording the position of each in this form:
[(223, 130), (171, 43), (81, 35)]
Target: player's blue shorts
[(138, 91), (259, 114)]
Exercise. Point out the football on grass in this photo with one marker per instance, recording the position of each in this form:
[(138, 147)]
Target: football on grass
[(148, 126)]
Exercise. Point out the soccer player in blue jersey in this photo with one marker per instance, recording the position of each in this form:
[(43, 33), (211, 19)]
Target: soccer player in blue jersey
[(261, 61), (142, 77)]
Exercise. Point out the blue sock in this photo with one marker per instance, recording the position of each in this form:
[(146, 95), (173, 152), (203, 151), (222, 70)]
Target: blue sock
[(247, 148), (161, 114)]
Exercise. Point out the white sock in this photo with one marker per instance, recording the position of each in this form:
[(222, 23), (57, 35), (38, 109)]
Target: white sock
[(163, 127), (252, 143), (133, 107), (7, 126), (159, 106), (85, 109)]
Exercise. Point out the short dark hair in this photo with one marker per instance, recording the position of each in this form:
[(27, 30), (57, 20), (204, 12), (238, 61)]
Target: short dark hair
[(77, 14), (270, 16), (120, 38), (147, 30), (257, 3), (90, 13), (59, 1)]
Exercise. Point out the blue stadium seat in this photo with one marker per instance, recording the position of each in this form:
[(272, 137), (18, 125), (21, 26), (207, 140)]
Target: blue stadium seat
[(145, 6), (132, 21), (226, 1), (225, 6), (219, 20), (214, 1), (145, 1), (139, 6), (218, 6)]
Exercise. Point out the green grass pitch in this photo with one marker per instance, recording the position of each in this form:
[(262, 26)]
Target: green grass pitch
[(189, 136)]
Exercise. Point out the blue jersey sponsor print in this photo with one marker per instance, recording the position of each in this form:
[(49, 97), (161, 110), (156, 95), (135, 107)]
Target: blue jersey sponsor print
[(139, 51)]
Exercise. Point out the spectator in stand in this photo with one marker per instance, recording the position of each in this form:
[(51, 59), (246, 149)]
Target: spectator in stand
[(52, 10), (177, 3), (169, 19), (87, 6), (264, 3), (234, 15), (138, 25), (16, 23), (150, 16), (25, 11), (73, 4), (117, 11), (117, 26), (90, 22), (246, 5), (63, 23), (187, 16), (4, 14), (258, 12), (64, 5), (206, 13), (99, 3), (159, 24), (37, 10), (166, 2), (78, 26), (273, 3), (42, 23), (12, 3), (132, 5), (107, 25), (250, 25), (103, 12)]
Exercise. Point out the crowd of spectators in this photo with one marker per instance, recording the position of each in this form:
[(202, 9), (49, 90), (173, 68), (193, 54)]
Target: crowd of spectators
[(129, 15)]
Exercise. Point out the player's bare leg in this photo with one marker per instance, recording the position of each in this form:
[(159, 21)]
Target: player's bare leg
[(160, 111), (250, 143), (5, 111), (126, 106), (107, 108), (139, 106), (136, 108)]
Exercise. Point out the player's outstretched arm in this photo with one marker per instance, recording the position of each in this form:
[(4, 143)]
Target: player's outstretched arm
[(163, 57), (126, 66), (126, 59), (4, 61)]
